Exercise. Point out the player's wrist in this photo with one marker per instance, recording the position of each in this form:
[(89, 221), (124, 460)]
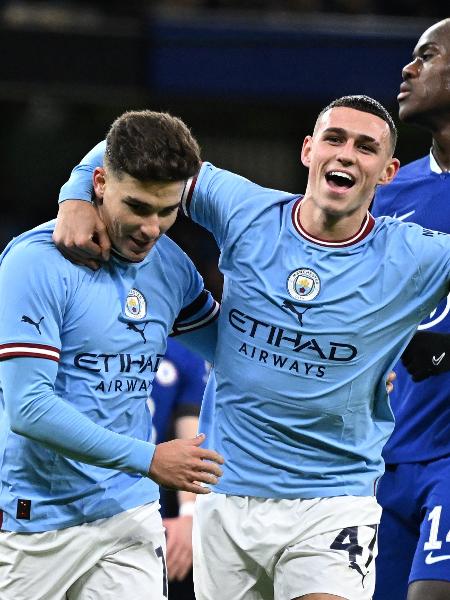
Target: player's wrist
[(186, 509)]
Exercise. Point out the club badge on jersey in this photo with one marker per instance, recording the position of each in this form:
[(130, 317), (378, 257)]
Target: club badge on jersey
[(303, 284), (135, 305)]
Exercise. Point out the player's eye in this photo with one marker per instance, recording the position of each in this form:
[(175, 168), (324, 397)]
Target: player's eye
[(367, 148), (168, 211)]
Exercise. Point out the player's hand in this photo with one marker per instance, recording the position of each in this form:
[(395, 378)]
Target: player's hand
[(183, 465), (80, 234), (427, 354), (179, 547), (390, 381)]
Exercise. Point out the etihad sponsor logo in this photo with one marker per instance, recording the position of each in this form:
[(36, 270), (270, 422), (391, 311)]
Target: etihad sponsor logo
[(284, 363), (294, 340), (122, 363)]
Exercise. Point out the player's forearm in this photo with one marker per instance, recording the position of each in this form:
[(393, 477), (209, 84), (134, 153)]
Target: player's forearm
[(186, 428), (37, 412), (79, 185)]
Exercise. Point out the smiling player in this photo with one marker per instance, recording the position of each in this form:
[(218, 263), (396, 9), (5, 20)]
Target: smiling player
[(319, 301)]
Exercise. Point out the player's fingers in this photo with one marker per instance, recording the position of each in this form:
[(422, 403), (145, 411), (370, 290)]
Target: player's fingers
[(208, 467), (89, 249), (206, 477), (212, 455), (103, 241), (196, 488), (78, 255)]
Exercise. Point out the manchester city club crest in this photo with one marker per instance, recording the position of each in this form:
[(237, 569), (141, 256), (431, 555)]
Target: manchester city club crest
[(135, 305), (303, 284)]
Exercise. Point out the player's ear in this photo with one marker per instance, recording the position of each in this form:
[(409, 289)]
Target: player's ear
[(390, 171), (99, 181), (306, 151)]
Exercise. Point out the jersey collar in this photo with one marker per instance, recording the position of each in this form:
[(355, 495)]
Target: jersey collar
[(366, 227)]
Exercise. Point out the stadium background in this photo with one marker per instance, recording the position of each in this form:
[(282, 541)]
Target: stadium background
[(248, 77)]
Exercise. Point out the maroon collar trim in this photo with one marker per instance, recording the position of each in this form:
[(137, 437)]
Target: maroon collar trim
[(366, 227)]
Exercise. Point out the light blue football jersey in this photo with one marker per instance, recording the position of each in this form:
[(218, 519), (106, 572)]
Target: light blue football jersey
[(307, 335), (89, 344)]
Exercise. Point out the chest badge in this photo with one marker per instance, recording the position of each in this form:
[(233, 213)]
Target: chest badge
[(303, 284), (135, 305)]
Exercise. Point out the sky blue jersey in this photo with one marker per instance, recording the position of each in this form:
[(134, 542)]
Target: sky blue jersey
[(79, 350), (421, 194), (308, 332)]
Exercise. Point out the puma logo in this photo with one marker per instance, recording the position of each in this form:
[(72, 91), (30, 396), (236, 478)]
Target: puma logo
[(26, 319), (299, 314), (134, 327)]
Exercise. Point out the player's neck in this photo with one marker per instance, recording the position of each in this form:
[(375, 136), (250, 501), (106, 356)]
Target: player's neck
[(325, 225), (441, 149)]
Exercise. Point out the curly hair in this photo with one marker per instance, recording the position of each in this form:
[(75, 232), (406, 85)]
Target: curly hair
[(151, 146)]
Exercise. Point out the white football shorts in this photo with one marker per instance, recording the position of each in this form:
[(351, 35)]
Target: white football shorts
[(262, 549), (117, 558)]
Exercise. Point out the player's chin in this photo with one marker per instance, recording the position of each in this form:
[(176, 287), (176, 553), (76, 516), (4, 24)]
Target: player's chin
[(135, 253)]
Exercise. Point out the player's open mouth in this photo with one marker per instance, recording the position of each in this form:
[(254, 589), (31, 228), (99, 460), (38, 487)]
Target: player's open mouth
[(340, 179)]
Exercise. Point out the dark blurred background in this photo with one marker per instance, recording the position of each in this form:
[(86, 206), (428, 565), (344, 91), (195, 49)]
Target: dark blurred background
[(248, 77)]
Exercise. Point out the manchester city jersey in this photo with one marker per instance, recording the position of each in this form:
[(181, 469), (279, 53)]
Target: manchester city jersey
[(308, 332), (422, 431), (106, 333)]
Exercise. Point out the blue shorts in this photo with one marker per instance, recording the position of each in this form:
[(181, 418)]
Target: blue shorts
[(414, 535)]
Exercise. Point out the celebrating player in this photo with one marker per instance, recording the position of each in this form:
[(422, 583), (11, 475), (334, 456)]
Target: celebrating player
[(79, 350), (319, 301)]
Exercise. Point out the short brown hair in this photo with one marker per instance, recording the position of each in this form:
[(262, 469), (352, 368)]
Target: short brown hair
[(368, 105), (151, 146)]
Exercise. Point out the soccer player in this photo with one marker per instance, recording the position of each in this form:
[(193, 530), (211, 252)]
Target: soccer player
[(175, 405), (414, 492), (79, 349), (319, 301)]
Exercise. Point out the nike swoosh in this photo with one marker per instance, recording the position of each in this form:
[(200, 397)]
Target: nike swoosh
[(403, 217), (437, 361), (430, 559)]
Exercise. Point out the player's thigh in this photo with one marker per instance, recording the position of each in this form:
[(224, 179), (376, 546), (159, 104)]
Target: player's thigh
[(339, 563), (42, 566), (222, 569), (432, 558), (133, 566)]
